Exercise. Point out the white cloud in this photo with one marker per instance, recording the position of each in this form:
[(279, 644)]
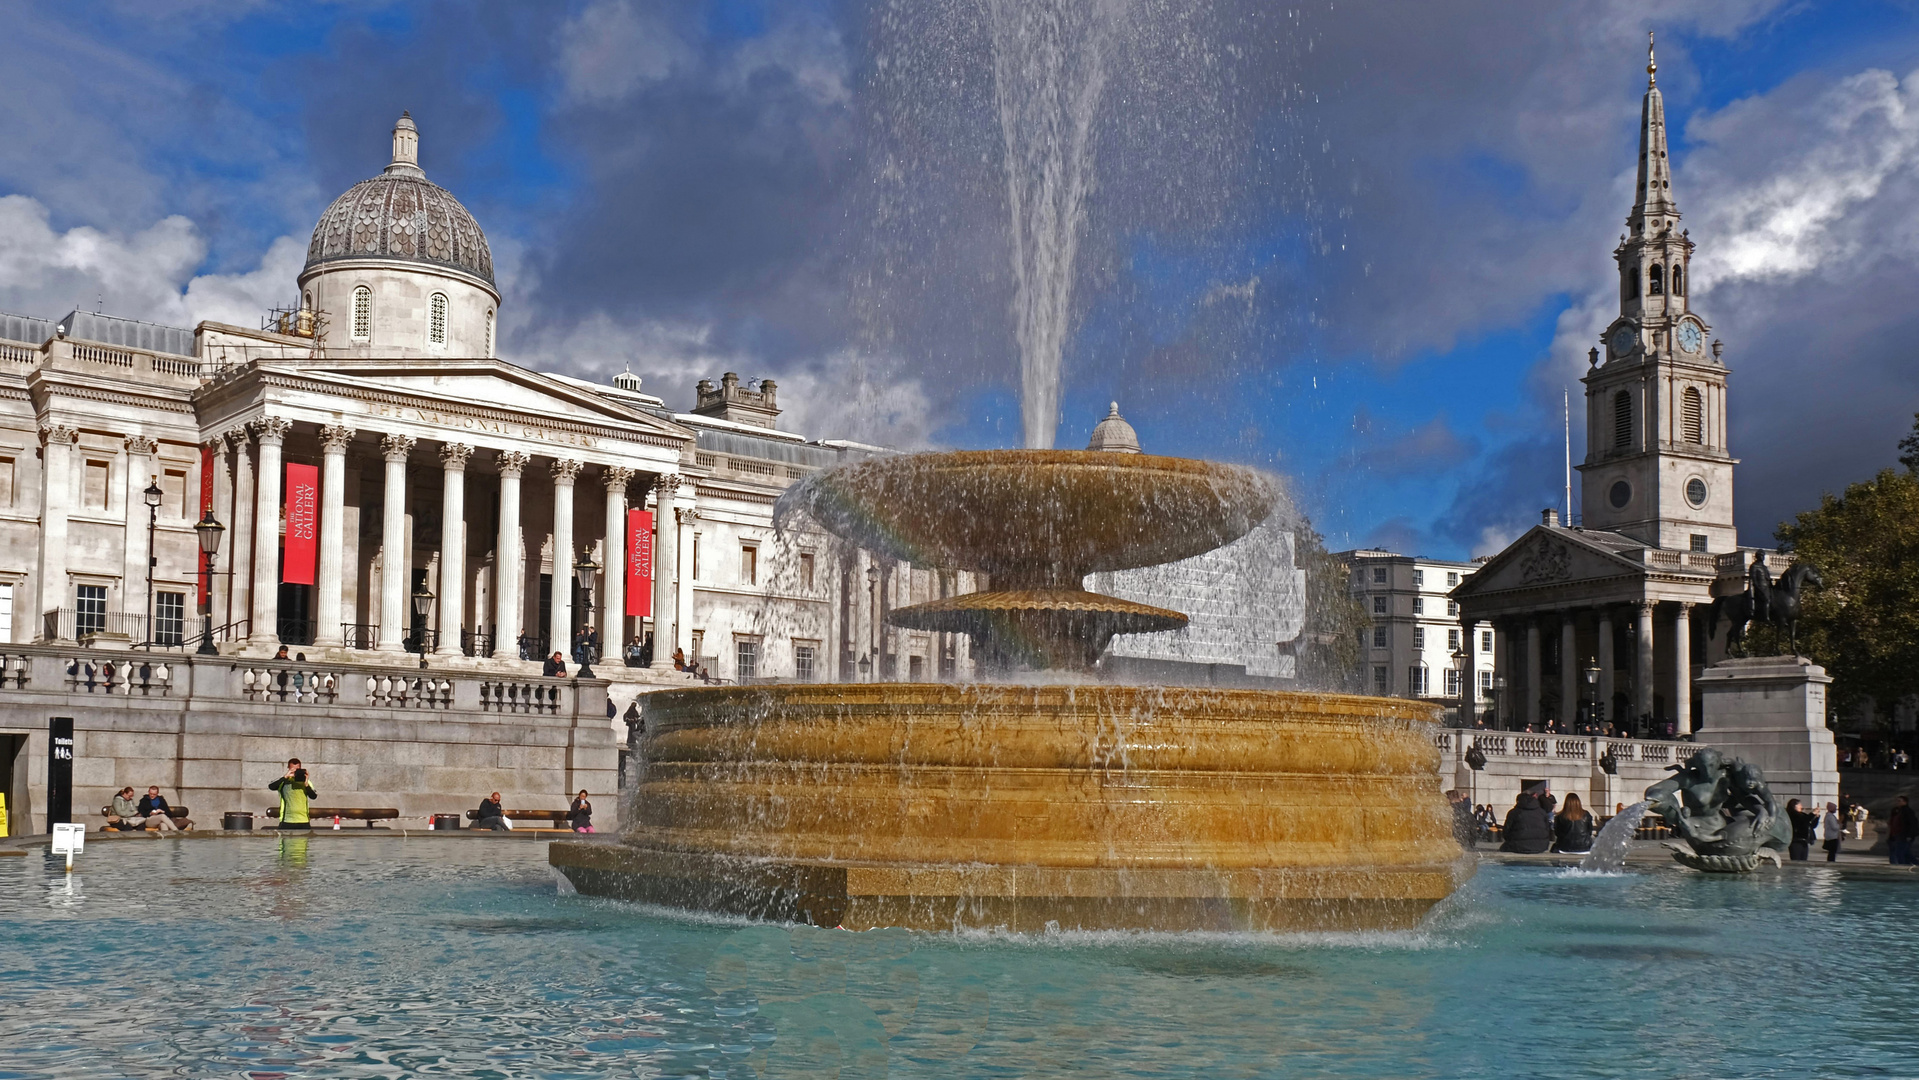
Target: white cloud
[(611, 49)]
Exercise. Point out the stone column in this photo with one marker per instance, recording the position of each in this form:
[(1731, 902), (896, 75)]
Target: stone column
[(452, 546), (240, 528), (1606, 662), (1568, 669), (1468, 677), (1642, 662), (216, 448), (393, 553), (1682, 670), (1502, 672), (559, 629), (613, 572), (56, 502), (138, 553), (327, 600), (263, 627), (509, 567), (1535, 674), (689, 517), (666, 562)]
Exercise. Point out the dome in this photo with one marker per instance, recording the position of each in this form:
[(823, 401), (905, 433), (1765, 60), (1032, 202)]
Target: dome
[(401, 215), (1114, 434)]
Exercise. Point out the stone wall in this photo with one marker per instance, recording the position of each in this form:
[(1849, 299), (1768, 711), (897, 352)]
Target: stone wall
[(1570, 764)]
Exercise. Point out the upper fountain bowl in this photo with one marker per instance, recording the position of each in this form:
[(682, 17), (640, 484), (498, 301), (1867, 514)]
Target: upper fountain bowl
[(1035, 518)]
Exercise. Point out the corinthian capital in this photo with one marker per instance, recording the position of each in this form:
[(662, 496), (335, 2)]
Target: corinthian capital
[(236, 436), (453, 455), (565, 470), (272, 430), (667, 484), (396, 447), (336, 437), (58, 433), (141, 446), (687, 515), (513, 462), (617, 477)]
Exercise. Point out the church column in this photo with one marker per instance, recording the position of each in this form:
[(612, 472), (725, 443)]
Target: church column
[(1502, 672), (1568, 669), (559, 629), (1606, 661), (1642, 662), (263, 628), (137, 553), (1535, 672), (452, 546), (393, 553), (1468, 679), (1682, 670), (56, 498), (683, 582), (240, 528), (666, 556), (509, 564), (326, 607), (613, 573)]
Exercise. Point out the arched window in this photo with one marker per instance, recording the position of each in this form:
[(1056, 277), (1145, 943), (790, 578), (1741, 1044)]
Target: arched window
[(436, 320), (1677, 281), (1629, 283), (1622, 420), (1693, 415), (1655, 281), (489, 332), (362, 313)]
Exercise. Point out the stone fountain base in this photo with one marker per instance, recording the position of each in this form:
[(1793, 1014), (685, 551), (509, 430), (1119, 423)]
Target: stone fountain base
[(1079, 807)]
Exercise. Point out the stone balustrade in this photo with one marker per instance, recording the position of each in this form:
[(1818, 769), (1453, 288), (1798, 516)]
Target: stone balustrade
[(1569, 763)]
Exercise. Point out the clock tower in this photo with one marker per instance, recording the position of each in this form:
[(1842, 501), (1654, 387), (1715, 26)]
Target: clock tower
[(1657, 465)]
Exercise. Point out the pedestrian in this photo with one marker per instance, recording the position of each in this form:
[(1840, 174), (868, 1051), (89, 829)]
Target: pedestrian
[(1833, 828), (1573, 828), (1528, 827), (1859, 816), (555, 666), (580, 815), (1900, 830), (491, 815), (1803, 822), (1464, 829), (282, 654), (296, 796)]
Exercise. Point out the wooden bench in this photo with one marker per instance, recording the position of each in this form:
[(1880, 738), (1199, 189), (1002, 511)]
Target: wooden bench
[(553, 818), (368, 814), (177, 813)]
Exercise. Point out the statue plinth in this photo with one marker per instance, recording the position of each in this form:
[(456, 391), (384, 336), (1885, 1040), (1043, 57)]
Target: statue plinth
[(1771, 711)]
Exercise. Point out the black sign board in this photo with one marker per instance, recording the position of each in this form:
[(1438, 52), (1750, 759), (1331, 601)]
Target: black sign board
[(59, 771)]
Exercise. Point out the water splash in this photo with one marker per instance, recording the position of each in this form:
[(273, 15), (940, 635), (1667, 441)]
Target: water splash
[(1608, 854), (1049, 71)]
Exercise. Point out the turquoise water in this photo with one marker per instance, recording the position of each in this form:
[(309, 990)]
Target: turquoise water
[(384, 957)]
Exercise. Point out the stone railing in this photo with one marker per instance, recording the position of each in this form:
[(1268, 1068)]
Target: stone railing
[(121, 360), (118, 673), (520, 695), (1557, 747)]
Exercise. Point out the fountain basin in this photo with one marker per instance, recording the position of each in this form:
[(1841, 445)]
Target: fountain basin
[(1095, 807)]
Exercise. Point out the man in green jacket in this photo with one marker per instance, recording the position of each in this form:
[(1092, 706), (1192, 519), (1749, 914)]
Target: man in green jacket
[(296, 794)]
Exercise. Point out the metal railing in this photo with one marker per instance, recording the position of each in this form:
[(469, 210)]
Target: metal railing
[(359, 635), (69, 624), (476, 643)]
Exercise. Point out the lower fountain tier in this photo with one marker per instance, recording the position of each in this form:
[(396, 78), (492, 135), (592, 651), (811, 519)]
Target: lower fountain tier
[(1046, 628), (937, 807)]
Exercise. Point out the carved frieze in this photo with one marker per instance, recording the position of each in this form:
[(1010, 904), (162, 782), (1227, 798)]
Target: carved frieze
[(1549, 560)]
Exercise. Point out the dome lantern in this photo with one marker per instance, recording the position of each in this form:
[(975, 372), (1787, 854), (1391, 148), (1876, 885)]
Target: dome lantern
[(1114, 435)]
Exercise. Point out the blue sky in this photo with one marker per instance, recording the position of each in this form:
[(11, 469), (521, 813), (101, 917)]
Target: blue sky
[(1368, 245)]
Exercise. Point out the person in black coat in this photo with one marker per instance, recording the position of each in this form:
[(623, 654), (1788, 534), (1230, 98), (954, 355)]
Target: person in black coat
[(492, 815), (1803, 822), (580, 816), (1528, 827), (1573, 828)]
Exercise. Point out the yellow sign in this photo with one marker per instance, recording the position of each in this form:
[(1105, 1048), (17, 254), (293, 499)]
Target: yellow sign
[(3, 815)]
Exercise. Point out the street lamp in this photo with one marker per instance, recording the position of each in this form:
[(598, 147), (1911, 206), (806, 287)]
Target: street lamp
[(1499, 693), (1592, 693), (866, 666), (152, 495), (873, 595), (584, 570), (1463, 693), (422, 610), (209, 531)]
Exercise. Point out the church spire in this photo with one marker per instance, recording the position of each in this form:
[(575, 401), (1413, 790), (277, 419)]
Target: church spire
[(1653, 209)]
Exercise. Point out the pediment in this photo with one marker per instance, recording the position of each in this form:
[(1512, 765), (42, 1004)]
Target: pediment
[(494, 385), (1544, 558)]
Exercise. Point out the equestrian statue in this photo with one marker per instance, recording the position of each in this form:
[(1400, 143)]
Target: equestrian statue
[(1776, 603)]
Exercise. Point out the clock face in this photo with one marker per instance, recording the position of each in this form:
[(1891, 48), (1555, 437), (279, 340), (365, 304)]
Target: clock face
[(1690, 336), (1622, 341)]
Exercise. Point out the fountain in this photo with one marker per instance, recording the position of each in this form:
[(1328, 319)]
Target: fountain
[(1064, 802)]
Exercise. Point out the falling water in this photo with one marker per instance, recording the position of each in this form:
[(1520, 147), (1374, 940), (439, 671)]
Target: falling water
[(1049, 69), (1608, 854)]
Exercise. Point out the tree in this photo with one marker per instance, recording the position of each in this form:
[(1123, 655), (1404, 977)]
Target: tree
[(1909, 447), (1863, 626)]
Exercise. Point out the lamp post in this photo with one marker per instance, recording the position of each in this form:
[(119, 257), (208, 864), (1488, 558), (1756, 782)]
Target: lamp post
[(1499, 692), (153, 496), (1461, 692), (209, 531), (1592, 694), (866, 667), (584, 569), (422, 614), (873, 596)]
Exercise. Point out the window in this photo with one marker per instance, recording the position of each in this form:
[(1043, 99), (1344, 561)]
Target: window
[(169, 618), (805, 655), (1379, 575), (1452, 608), (1419, 579), (6, 613), (1677, 280), (362, 313), (1419, 605), (1452, 640), (1699, 541), (1693, 412), (1655, 281), (1696, 491), (436, 320), (749, 564), (1486, 641), (1379, 605), (1419, 637), (1379, 637), (1622, 420), (1452, 682), (916, 669), (1485, 683), (90, 610), (806, 570), (746, 655), (1452, 578), (6, 481), (173, 493), (1416, 680), (1629, 283), (93, 485), (489, 333), (1379, 679)]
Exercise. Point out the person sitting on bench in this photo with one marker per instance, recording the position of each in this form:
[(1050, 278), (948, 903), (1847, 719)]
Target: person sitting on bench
[(154, 809), (124, 815), (492, 815)]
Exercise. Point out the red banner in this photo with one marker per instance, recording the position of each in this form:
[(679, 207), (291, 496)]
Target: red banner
[(303, 524), (639, 562), (206, 504)]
